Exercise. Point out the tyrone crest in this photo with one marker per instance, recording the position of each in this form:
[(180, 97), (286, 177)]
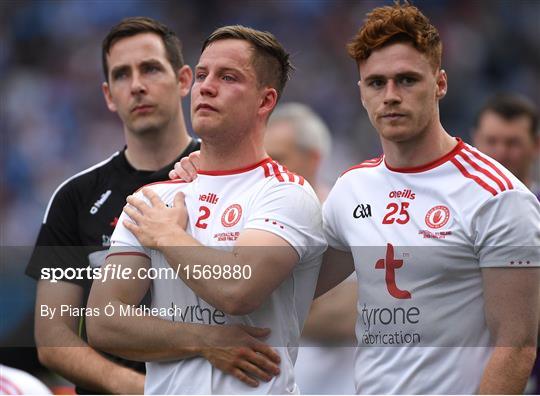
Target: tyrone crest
[(437, 216), (231, 216)]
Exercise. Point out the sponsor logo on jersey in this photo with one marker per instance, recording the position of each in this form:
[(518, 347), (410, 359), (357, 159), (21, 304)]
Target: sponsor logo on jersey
[(210, 198), (390, 264), (94, 209), (406, 193), (437, 216), (227, 236), (434, 234), (231, 216), (197, 314), (362, 211)]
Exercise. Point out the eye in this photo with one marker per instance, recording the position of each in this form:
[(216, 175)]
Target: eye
[(228, 77), (376, 83), (407, 81), (119, 75), (200, 76)]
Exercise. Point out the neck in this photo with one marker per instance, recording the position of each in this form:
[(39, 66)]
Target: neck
[(423, 149), (222, 154), (156, 149)]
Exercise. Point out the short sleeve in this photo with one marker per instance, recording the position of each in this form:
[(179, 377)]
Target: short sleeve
[(123, 240), (292, 212), (507, 230), (331, 222), (58, 244)]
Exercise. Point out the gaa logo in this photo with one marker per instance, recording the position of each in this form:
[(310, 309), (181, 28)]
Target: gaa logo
[(437, 216), (231, 215)]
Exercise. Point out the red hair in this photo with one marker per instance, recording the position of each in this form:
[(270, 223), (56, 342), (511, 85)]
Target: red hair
[(397, 23)]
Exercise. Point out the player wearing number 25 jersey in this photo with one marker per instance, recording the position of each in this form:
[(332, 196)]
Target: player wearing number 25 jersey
[(265, 197), (419, 238)]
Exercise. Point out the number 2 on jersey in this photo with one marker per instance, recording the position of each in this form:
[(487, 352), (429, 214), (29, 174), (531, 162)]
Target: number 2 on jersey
[(204, 214), (403, 216)]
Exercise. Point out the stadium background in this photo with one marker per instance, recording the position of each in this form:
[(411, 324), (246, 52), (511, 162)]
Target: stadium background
[(54, 121)]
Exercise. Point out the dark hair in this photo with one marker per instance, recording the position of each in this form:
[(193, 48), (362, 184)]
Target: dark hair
[(509, 107), (271, 61), (397, 23), (136, 25)]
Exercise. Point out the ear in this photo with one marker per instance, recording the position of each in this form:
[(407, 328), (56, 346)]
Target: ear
[(108, 97), (268, 101), (442, 84), (185, 78)]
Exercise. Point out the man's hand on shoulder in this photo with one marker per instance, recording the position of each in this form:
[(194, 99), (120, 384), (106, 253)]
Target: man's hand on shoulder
[(186, 169)]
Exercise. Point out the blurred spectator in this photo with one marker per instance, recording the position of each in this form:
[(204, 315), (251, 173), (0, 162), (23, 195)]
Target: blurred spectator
[(506, 129)]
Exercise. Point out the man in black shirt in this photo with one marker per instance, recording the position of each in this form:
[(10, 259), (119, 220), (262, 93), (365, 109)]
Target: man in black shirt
[(145, 81)]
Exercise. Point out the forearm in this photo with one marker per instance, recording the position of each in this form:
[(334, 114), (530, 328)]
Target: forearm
[(144, 338), (332, 316), (88, 369), (73, 359), (226, 288), (507, 370)]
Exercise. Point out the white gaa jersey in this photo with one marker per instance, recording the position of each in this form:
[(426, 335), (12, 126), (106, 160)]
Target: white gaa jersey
[(419, 238), (264, 196)]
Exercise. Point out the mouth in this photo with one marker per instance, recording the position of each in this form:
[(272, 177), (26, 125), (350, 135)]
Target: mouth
[(142, 108), (205, 106), (392, 116)]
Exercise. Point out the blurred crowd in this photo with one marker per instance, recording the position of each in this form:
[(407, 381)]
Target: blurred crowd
[(54, 121)]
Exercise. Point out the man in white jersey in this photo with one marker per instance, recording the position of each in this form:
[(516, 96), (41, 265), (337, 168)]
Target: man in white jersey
[(241, 202), (299, 139), (444, 240)]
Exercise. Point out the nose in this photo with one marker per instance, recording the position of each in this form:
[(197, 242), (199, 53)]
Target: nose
[(208, 87), (137, 85), (391, 93)]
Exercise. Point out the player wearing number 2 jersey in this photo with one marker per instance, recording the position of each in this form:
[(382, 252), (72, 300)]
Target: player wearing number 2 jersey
[(272, 200), (245, 211), (444, 240)]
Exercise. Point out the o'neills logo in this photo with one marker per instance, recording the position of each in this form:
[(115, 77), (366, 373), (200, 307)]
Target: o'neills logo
[(231, 216), (407, 193), (210, 198), (94, 209)]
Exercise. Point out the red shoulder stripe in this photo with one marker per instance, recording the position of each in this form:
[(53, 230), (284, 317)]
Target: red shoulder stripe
[(482, 170), (277, 173), (280, 171), (266, 170), (473, 177), (492, 166), (371, 163), (5, 384)]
